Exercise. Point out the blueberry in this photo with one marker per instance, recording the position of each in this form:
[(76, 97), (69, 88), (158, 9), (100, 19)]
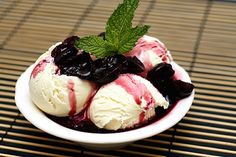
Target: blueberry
[(70, 41), (132, 65), (79, 65), (160, 111), (64, 51), (178, 89), (160, 76), (102, 34), (107, 69)]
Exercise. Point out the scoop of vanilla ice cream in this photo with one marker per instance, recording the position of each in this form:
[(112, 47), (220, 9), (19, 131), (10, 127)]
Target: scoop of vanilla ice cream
[(56, 94), (128, 101), (150, 51)]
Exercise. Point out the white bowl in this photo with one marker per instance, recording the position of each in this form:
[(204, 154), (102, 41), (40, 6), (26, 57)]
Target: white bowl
[(98, 141)]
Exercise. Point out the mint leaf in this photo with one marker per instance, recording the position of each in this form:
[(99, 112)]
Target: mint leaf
[(120, 37), (120, 21), (94, 45), (129, 38)]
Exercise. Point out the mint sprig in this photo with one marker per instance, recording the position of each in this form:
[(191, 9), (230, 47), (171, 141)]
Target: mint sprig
[(95, 45), (120, 37), (129, 38)]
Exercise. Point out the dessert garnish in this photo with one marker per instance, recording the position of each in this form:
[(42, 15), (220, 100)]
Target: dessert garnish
[(120, 37)]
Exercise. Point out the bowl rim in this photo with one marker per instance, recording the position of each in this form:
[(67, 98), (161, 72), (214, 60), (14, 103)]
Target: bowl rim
[(41, 121)]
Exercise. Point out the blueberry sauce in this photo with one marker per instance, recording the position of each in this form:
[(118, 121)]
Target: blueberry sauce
[(72, 97), (40, 66), (81, 122), (137, 89)]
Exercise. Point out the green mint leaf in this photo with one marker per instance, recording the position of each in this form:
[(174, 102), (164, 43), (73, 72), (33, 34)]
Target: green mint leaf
[(129, 38), (94, 45), (120, 37), (120, 21)]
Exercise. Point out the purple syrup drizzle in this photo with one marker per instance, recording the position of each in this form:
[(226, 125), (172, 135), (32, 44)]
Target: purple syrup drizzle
[(81, 122), (41, 66), (72, 97)]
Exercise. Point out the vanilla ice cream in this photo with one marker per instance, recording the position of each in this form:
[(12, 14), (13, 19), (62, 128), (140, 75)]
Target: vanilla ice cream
[(128, 101), (56, 94), (150, 51)]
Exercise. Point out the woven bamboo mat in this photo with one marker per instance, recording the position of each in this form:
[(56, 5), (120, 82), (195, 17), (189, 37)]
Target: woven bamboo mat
[(200, 34)]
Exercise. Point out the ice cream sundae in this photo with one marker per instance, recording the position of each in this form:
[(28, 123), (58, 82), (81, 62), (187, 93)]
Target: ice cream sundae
[(118, 80)]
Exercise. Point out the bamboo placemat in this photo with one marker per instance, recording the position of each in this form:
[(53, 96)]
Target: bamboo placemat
[(200, 34)]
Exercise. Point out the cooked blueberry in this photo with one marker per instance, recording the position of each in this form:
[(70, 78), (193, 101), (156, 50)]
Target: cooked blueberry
[(81, 59), (102, 35), (70, 40), (56, 50), (178, 89), (65, 50), (161, 71), (132, 65), (76, 71), (79, 65), (62, 52), (160, 76), (160, 111), (107, 69)]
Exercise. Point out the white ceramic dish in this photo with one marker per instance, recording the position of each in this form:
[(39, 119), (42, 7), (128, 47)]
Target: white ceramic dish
[(97, 140)]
